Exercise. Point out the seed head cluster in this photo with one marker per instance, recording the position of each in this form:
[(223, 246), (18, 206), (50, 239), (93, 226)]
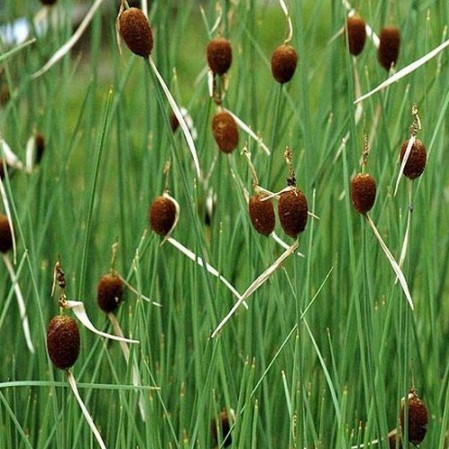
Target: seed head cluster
[(109, 292), (219, 55), (136, 31), (163, 214), (225, 131), (388, 52), (417, 418), (416, 161), (293, 212), (261, 213), (356, 34), (63, 341), (363, 192), (283, 63)]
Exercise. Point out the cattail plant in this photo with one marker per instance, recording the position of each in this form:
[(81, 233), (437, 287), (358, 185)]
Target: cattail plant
[(356, 34), (63, 346), (363, 194), (413, 158), (389, 43), (110, 290), (284, 58)]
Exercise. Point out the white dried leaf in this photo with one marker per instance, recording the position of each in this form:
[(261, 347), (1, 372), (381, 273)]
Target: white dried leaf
[(80, 312)]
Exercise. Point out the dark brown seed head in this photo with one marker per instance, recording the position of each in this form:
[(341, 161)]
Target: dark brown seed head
[(219, 55), (174, 122), (417, 418), (221, 424), (225, 131), (136, 31), (63, 341), (261, 214), (394, 440), (48, 2), (3, 168), (4, 94), (292, 210), (5, 234), (163, 215), (356, 34), (40, 147), (363, 192), (109, 292), (416, 161), (388, 51), (283, 63)]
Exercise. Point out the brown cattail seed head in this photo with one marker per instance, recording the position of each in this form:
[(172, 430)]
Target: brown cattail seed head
[(163, 215), (416, 161), (417, 418), (40, 146), (388, 51), (109, 292), (224, 426), (261, 214), (225, 131), (283, 63), (48, 2), (292, 210), (356, 34), (363, 192), (219, 55), (136, 31), (5, 234), (3, 168), (394, 440), (63, 341)]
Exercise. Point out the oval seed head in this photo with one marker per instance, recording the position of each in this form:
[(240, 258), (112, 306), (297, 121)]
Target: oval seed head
[(261, 214), (283, 63), (292, 210), (5, 234), (356, 34), (109, 292), (417, 418), (388, 51), (221, 424), (136, 31), (363, 192), (163, 215), (225, 131), (219, 55), (416, 161), (63, 341)]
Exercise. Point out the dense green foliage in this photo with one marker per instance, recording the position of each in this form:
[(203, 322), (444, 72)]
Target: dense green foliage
[(328, 345)]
